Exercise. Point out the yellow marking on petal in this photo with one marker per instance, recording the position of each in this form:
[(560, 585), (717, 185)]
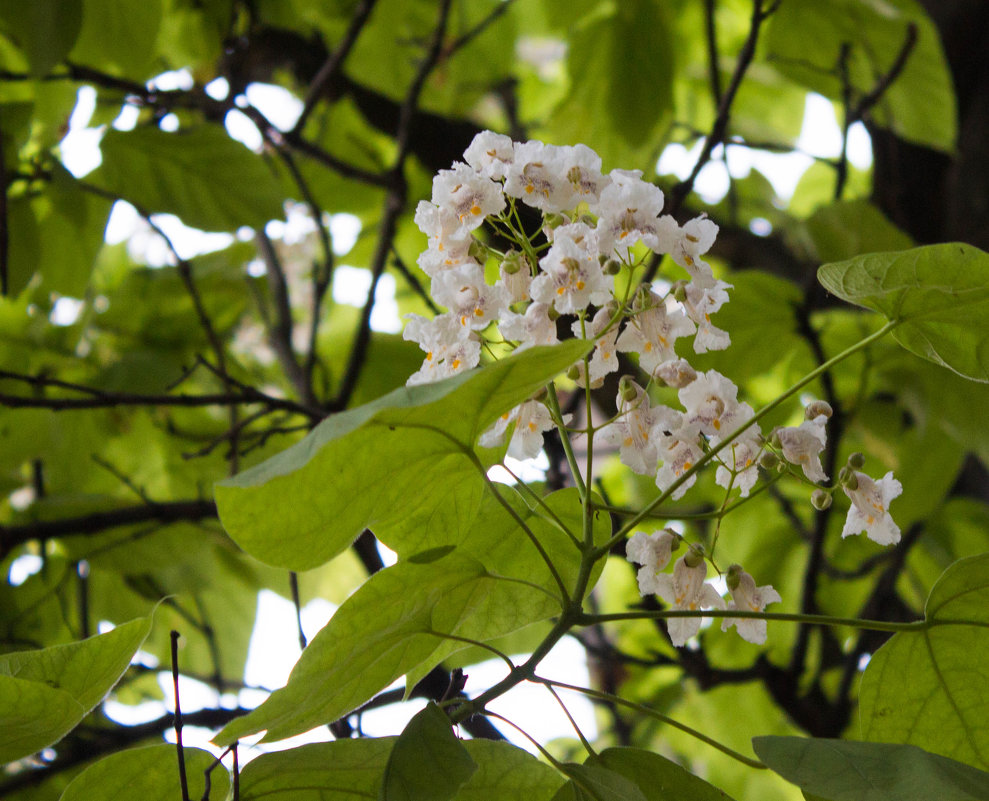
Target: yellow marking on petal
[(648, 347), (560, 291), (456, 364), (691, 238), (628, 442), (580, 285), (478, 313), (689, 259), (870, 520), (687, 465), (529, 189), (475, 209), (717, 424), (429, 356), (532, 426)]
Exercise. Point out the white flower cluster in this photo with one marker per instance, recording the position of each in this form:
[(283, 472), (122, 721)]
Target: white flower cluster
[(594, 226)]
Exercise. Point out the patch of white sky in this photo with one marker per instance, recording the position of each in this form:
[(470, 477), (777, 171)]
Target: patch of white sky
[(274, 646)]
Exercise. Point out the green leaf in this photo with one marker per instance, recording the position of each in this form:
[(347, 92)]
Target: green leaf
[(505, 771), (200, 174), (398, 464), (119, 36), (931, 688), (45, 693), (938, 295), (148, 774), (805, 40), (844, 230), (428, 762), (658, 778), (45, 30), (394, 623), (620, 62), (343, 770), (839, 770), (598, 783)]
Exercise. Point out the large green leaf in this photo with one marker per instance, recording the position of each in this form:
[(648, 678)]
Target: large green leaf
[(45, 693), (428, 762), (343, 770), (931, 688), (200, 174), (400, 464), (505, 771), (591, 781), (149, 774), (839, 770), (806, 39), (620, 62), (119, 36), (45, 30), (938, 295), (657, 777), (393, 624)]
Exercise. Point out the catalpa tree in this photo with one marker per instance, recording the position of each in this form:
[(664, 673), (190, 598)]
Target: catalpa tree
[(725, 441)]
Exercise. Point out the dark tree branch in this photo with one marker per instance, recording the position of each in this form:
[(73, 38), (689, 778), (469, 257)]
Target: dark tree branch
[(328, 72), (393, 207)]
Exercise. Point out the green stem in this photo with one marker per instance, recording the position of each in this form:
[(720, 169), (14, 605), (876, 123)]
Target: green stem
[(617, 699), (821, 620), (554, 407), (704, 460), (542, 503)]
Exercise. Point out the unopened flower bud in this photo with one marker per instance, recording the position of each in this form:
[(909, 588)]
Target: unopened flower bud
[(694, 556), (733, 577), (848, 478), (820, 499), (675, 540), (642, 299), (512, 262), (478, 251), (552, 313), (679, 290), (627, 389), (611, 267), (856, 461), (553, 220), (817, 408), (575, 372), (769, 460), (774, 437)]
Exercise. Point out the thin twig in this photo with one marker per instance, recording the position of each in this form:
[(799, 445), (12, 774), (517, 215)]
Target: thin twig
[(178, 716)]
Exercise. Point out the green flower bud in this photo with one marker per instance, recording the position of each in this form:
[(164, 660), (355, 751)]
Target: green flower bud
[(675, 542), (611, 267), (694, 556), (733, 577), (817, 408), (512, 262), (478, 251), (856, 461), (774, 437), (574, 372), (820, 499), (553, 314), (627, 389), (768, 460), (679, 290), (553, 220)]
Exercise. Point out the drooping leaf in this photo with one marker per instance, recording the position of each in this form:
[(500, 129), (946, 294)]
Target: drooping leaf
[(149, 774), (428, 762), (657, 777), (45, 30), (118, 36), (393, 624), (505, 771), (844, 230), (398, 464), (591, 781), (201, 175), (931, 688), (840, 770), (620, 61), (342, 770), (939, 295), (45, 693)]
